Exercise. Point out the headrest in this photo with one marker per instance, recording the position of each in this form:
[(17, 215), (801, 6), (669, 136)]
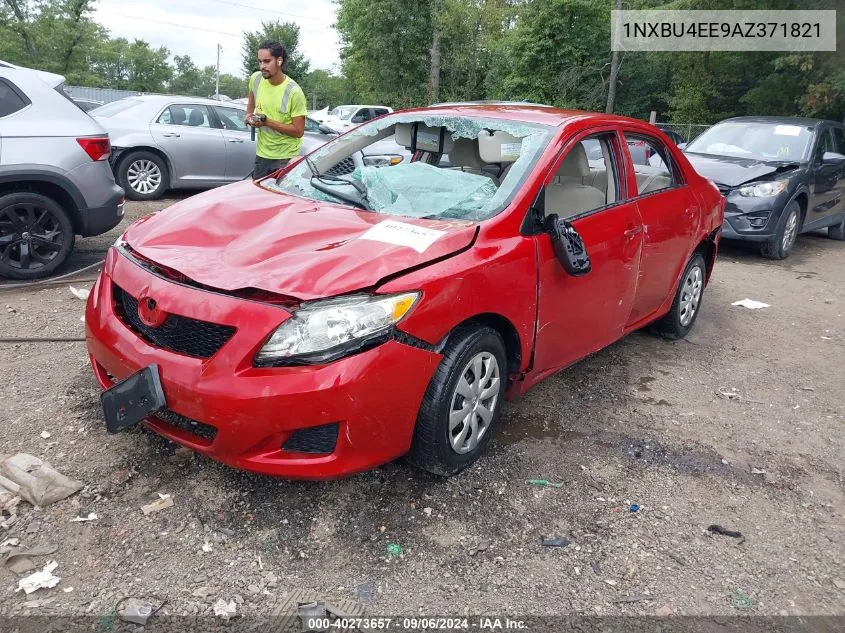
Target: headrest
[(465, 154), (498, 147), (575, 165), (177, 115), (196, 118), (437, 140)]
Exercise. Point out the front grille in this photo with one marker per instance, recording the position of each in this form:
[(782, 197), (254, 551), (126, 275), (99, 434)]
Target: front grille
[(179, 334), (346, 166), (201, 430), (317, 439)]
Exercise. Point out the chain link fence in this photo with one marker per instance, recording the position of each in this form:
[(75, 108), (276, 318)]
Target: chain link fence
[(687, 131)]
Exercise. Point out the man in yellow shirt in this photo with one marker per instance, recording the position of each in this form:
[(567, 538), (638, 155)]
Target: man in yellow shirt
[(282, 103)]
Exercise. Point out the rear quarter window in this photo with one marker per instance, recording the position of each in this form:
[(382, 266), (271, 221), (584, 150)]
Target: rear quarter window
[(11, 99)]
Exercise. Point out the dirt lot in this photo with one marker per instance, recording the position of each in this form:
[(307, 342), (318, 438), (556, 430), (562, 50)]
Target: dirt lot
[(640, 422)]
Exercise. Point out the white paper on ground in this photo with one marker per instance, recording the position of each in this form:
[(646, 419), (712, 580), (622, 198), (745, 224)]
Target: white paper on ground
[(751, 304), (43, 579), (403, 234)]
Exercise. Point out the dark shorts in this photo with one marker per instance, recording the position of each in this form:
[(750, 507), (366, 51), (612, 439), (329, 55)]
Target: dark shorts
[(266, 166)]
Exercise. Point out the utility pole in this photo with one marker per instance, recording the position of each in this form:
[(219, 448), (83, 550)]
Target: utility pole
[(217, 78)]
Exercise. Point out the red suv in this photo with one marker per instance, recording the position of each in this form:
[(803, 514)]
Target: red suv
[(313, 325)]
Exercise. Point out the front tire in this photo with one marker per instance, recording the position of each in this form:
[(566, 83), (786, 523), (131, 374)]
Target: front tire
[(36, 235), (463, 402), (685, 308), (788, 229), (143, 175)]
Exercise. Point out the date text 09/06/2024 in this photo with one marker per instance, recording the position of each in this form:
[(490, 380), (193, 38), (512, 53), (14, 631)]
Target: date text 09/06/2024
[(418, 624)]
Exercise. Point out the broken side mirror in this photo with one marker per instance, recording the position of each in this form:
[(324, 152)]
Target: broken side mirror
[(568, 245)]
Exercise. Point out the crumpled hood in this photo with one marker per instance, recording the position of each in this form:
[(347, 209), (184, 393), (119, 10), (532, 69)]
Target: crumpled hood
[(242, 236), (730, 171)]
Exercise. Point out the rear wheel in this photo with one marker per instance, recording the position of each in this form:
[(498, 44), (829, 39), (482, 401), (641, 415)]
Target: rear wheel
[(36, 235), (788, 228), (143, 175), (684, 311), (837, 232), (463, 402)]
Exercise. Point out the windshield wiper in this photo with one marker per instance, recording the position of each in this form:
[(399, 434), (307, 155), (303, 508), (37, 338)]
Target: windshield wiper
[(362, 201)]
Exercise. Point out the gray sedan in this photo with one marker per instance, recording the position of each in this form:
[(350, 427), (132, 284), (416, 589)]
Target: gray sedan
[(162, 142)]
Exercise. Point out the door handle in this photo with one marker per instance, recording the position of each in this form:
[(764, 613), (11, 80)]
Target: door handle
[(170, 135), (634, 230), (234, 140)]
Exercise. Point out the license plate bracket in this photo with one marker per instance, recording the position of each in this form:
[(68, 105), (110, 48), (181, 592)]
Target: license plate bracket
[(131, 400)]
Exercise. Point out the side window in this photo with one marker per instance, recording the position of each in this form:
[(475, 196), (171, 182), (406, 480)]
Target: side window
[(11, 99), (231, 118), (839, 140), (361, 116), (653, 165), (186, 115), (311, 125), (586, 179), (379, 112), (824, 144)]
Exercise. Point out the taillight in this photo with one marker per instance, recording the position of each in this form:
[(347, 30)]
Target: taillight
[(97, 147)]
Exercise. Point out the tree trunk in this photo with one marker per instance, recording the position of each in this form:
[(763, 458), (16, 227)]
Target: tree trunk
[(21, 27), (434, 70), (614, 74)]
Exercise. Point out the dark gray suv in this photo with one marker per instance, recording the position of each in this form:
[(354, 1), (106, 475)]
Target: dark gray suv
[(55, 180)]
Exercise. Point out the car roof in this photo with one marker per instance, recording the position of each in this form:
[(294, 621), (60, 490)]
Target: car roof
[(788, 120), (521, 111), (51, 79), (164, 99)]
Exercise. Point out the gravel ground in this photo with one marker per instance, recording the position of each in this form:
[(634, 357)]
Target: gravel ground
[(640, 422)]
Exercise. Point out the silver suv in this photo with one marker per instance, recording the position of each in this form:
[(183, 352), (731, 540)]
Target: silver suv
[(55, 180)]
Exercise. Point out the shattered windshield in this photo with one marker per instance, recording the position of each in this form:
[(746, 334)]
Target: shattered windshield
[(758, 141), (466, 168)]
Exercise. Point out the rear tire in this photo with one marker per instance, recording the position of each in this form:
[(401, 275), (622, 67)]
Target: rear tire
[(787, 232), (143, 175), (837, 232), (687, 304), (463, 402), (36, 235)]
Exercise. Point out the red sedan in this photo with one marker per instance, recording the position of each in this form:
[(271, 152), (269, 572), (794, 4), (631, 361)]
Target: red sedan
[(336, 316)]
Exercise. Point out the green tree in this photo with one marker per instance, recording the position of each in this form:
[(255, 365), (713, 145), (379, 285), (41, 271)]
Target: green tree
[(297, 65), (324, 89), (186, 77), (132, 66)]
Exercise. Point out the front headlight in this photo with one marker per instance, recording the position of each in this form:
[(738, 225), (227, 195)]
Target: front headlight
[(323, 331), (763, 189)]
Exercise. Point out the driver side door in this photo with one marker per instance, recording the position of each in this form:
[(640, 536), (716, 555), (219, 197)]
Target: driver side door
[(580, 315)]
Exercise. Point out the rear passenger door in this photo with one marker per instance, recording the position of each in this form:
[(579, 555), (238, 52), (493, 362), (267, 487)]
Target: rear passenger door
[(671, 214), (580, 315), (826, 179), (240, 148), (195, 147)]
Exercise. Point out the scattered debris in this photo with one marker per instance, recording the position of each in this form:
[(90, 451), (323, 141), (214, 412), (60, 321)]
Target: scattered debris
[(479, 547), (625, 599), (366, 592), (43, 579), (741, 601), (840, 584), (80, 293), (38, 482), (427, 511), (206, 547), (37, 604), (611, 582), (311, 612), (556, 541), (758, 471), (807, 389), (635, 507), (225, 609), (718, 529), (19, 561), (664, 612), (544, 483), (751, 304), (45, 435), (164, 501), (137, 613), (91, 517), (733, 394), (394, 550), (67, 589), (596, 568)]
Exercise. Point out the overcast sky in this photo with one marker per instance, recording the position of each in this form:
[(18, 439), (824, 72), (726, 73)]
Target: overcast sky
[(153, 20)]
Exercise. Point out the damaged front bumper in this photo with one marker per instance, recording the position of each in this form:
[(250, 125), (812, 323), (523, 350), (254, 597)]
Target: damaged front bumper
[(310, 422), (752, 219)]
